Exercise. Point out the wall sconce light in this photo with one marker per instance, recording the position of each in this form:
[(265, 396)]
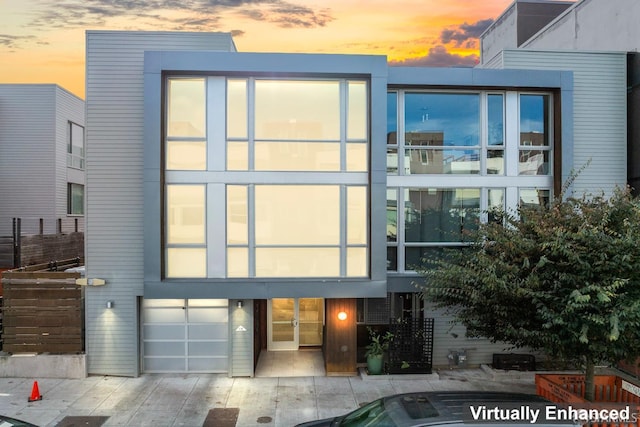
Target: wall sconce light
[(240, 304), (342, 315), (110, 304)]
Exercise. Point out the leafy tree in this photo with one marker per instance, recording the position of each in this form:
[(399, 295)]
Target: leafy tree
[(562, 278)]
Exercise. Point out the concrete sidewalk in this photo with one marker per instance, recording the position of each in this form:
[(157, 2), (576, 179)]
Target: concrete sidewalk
[(185, 400)]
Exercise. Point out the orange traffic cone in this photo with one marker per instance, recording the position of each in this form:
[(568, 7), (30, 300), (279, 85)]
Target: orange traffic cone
[(35, 393)]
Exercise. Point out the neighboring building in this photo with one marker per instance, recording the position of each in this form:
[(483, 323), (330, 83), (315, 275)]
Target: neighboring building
[(592, 31), (239, 201), (42, 159)]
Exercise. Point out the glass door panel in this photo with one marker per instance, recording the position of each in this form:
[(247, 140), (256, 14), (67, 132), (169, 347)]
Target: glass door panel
[(283, 324), (311, 317)]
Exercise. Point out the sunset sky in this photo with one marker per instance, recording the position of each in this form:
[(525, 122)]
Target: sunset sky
[(43, 41)]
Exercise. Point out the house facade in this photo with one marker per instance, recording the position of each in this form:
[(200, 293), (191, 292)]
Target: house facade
[(591, 32), (42, 159), (243, 200)]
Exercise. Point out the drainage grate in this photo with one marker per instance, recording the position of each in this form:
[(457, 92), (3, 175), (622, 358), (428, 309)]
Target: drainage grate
[(222, 417), (81, 421)]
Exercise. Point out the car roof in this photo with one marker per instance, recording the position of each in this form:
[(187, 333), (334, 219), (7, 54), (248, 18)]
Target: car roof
[(448, 407)]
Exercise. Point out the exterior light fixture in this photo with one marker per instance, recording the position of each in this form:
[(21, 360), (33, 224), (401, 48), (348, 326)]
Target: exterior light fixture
[(110, 304), (240, 304), (90, 282), (342, 315)]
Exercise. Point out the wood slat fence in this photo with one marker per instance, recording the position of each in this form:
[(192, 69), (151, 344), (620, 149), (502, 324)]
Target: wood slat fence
[(43, 311)]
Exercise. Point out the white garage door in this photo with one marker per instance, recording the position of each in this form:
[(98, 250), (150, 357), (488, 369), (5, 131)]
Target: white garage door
[(185, 335)]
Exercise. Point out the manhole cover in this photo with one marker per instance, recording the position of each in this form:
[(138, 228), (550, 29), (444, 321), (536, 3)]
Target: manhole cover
[(264, 420)]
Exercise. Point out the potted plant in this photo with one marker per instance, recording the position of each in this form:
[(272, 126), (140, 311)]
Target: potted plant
[(378, 345)]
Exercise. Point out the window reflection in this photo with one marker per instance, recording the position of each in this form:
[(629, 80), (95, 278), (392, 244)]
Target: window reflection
[(495, 162), (440, 215), (533, 162), (495, 113), (442, 119), (534, 119), (392, 215), (441, 161), (534, 133), (495, 204), (531, 197)]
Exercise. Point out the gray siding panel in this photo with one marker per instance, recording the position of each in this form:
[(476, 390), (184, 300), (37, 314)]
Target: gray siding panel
[(114, 228), (33, 143), (241, 333), (600, 112)]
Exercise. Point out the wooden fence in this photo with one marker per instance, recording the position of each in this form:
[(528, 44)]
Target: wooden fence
[(43, 311)]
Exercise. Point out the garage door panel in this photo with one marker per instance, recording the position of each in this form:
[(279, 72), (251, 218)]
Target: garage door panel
[(166, 332), (165, 364), (208, 315), (185, 336), (164, 315), (208, 349), (165, 348), (204, 332), (208, 364)]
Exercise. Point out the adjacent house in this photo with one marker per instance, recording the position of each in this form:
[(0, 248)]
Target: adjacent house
[(42, 159), (583, 37), (240, 202)]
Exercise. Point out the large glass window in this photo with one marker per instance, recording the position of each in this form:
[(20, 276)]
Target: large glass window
[(292, 177), (495, 134), (75, 199), (535, 156), (442, 133), (440, 215), (501, 140), (185, 231), (186, 124), (75, 146), (297, 215), (296, 116)]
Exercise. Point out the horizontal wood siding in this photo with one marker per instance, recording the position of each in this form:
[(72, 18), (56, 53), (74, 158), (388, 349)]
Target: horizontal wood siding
[(114, 206), (42, 312), (600, 112)]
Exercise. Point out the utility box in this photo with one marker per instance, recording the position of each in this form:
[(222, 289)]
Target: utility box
[(514, 362), (457, 358)]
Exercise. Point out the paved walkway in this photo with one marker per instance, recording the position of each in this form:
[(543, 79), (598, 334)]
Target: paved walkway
[(185, 400)]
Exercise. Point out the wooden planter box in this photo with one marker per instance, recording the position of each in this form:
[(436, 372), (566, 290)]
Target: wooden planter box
[(561, 388)]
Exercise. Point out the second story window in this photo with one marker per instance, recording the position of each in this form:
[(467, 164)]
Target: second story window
[(75, 146)]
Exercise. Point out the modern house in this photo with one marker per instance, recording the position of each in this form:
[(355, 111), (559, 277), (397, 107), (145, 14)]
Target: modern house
[(42, 159), (239, 202)]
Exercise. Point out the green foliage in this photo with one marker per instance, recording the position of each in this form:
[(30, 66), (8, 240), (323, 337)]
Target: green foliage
[(378, 343), (564, 279)]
